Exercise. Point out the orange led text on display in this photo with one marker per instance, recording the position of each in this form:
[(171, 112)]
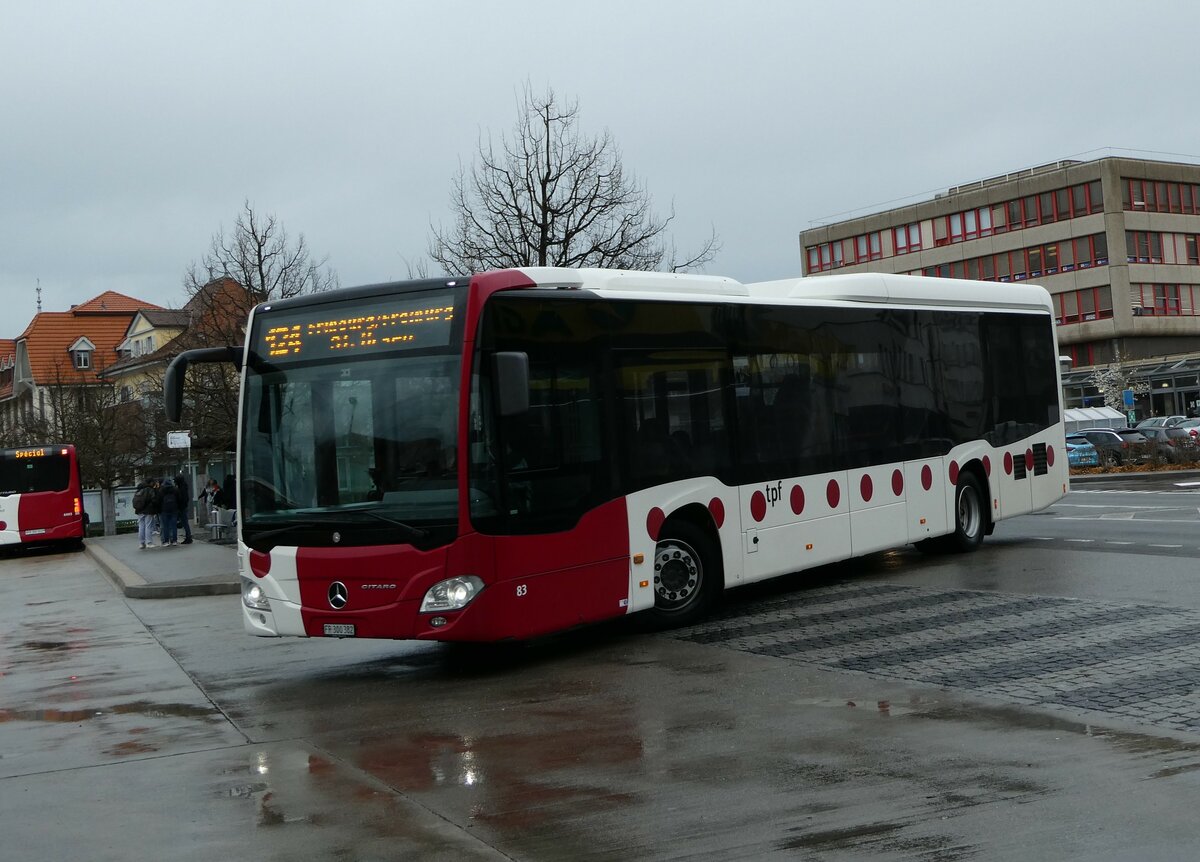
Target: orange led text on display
[(362, 332)]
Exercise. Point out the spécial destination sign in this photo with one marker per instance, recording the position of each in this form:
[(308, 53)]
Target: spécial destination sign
[(362, 326)]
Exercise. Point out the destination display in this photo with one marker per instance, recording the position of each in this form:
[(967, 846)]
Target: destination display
[(361, 327)]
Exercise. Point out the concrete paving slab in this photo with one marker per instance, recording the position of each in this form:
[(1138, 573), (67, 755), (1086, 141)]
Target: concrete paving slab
[(200, 569)]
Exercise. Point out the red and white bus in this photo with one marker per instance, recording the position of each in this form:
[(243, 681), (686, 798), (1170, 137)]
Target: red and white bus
[(523, 451), (41, 498)]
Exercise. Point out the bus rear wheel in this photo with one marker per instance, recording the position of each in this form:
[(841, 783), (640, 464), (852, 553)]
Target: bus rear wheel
[(688, 575), (970, 518)]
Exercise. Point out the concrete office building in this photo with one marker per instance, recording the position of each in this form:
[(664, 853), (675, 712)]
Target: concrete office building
[(1114, 240)]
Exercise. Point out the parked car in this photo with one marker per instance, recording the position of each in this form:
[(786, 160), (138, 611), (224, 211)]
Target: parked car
[(1192, 426), (1160, 422), (1119, 445), (1080, 452), (1173, 444)]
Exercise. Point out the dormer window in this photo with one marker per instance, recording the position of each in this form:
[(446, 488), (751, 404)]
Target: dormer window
[(81, 353)]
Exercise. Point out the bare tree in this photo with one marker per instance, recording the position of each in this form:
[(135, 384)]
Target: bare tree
[(256, 262), (550, 196), (259, 256)]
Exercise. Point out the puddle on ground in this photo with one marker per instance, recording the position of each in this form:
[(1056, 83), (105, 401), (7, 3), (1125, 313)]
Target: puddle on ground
[(141, 707)]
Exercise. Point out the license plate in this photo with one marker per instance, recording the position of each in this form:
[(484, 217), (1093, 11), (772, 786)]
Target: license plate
[(38, 532), (339, 630)]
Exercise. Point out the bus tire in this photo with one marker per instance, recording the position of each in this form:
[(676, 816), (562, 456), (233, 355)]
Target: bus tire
[(688, 575), (970, 515)]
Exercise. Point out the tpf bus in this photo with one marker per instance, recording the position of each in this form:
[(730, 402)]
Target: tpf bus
[(41, 499), (523, 451)]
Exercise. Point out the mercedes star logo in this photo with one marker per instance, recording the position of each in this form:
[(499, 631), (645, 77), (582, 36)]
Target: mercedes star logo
[(338, 595)]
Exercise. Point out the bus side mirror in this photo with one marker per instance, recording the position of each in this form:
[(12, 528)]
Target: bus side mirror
[(173, 382), (511, 373)]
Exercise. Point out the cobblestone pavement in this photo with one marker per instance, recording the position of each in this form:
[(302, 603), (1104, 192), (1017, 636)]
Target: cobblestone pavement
[(1140, 662)]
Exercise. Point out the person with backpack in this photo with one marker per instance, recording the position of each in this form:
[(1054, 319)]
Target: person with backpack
[(141, 508), (168, 512), (185, 508), (153, 508)]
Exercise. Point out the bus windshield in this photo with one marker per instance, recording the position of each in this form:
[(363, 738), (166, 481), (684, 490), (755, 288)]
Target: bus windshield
[(31, 471), (363, 446)]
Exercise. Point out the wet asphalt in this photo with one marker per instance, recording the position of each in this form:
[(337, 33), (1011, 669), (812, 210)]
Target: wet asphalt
[(793, 725)]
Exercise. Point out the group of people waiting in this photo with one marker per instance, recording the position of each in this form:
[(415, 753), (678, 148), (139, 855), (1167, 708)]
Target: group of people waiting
[(163, 506)]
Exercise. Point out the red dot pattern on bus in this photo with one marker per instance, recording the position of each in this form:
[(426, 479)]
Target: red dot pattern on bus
[(833, 492), (758, 506), (260, 563), (717, 509), (797, 499), (654, 522)]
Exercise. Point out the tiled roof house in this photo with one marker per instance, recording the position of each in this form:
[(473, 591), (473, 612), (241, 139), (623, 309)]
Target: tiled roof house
[(64, 348), (215, 315)]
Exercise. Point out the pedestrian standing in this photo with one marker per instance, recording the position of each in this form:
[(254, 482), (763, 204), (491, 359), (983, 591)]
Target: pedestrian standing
[(141, 507), (153, 508), (185, 507), (169, 512)]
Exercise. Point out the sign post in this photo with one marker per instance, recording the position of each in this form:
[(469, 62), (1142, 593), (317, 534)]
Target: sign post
[(183, 440)]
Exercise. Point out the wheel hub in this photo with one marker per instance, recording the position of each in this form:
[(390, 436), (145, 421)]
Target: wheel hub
[(676, 574)]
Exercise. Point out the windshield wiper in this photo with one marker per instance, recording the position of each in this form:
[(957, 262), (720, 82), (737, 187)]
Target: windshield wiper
[(334, 522), (413, 532), (279, 531)]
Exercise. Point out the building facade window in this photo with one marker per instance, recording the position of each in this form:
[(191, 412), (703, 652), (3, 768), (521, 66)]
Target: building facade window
[(907, 238), (1080, 306), (83, 359), (1165, 300), (1057, 205), (1032, 262), (840, 252), (1160, 197), (1143, 246)]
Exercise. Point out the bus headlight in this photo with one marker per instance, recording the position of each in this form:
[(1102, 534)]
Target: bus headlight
[(452, 594), (254, 597)]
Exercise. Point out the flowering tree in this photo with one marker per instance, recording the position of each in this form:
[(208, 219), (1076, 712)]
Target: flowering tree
[(1113, 379)]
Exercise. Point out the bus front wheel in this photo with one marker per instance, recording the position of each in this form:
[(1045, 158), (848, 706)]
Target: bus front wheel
[(687, 575)]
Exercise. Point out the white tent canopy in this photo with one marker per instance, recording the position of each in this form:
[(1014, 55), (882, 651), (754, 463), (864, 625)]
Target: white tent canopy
[(1078, 418)]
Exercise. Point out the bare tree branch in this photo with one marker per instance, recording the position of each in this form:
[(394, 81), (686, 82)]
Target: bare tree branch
[(550, 196)]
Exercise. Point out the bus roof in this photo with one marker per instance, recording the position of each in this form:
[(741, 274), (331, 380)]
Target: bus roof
[(886, 288), (635, 281), (866, 287)]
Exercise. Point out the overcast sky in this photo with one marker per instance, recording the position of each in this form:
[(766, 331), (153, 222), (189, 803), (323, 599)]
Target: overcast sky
[(131, 132)]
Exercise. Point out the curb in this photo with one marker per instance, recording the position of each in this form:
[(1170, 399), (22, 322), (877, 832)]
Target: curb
[(134, 586), (1133, 474)]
